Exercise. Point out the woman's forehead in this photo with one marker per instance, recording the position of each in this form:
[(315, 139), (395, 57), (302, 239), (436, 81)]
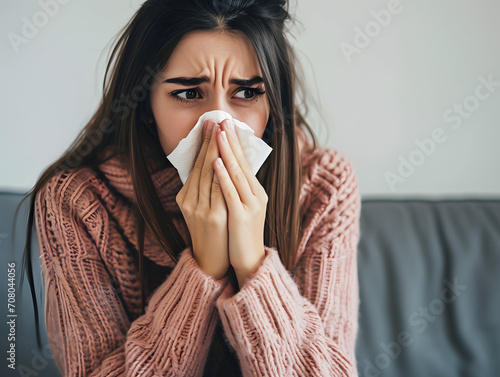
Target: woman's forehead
[(213, 54)]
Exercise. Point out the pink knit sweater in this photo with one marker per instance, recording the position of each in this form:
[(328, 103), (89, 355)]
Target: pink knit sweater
[(280, 323)]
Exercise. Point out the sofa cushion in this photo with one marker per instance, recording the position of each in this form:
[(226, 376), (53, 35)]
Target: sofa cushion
[(429, 274)]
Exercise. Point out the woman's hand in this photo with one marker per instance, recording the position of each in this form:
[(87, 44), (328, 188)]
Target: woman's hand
[(204, 209), (246, 202)]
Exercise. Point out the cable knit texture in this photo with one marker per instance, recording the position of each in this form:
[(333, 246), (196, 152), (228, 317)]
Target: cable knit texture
[(302, 322)]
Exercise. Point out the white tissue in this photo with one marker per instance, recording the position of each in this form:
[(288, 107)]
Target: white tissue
[(184, 155)]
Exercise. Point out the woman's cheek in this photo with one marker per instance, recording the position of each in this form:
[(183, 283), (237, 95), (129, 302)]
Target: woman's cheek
[(259, 125), (171, 133)]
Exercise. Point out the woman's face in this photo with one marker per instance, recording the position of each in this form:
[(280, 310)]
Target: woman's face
[(219, 59)]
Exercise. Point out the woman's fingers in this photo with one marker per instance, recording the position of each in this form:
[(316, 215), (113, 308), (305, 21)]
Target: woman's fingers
[(194, 176), (231, 196), (217, 196), (236, 164), (207, 171)]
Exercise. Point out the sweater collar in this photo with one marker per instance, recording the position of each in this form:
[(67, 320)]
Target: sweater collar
[(165, 177)]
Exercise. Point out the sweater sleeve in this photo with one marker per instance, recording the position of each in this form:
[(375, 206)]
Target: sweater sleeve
[(304, 325), (89, 331)]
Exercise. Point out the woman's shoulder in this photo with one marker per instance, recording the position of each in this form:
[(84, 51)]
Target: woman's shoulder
[(326, 171), (331, 166), (330, 198), (75, 188)]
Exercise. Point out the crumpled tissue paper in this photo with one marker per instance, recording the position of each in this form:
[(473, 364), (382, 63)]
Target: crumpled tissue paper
[(184, 155)]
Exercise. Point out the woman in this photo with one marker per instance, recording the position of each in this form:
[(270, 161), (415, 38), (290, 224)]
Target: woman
[(230, 273)]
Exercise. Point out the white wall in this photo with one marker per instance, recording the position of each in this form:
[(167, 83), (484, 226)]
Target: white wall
[(373, 105)]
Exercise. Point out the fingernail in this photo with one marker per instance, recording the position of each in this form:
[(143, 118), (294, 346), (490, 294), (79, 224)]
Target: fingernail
[(224, 138)]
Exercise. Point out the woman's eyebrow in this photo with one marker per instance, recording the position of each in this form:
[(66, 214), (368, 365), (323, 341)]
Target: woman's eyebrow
[(191, 81)]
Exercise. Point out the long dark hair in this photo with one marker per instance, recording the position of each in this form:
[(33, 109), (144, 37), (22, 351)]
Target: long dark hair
[(122, 125)]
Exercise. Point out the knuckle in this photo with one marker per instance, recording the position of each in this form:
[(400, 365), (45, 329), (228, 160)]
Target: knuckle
[(199, 214), (233, 166), (216, 186), (238, 176), (264, 196), (188, 208), (207, 136), (198, 163), (214, 218), (211, 218), (233, 195), (206, 171), (181, 193)]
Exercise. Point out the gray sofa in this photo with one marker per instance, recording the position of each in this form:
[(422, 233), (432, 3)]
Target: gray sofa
[(429, 278)]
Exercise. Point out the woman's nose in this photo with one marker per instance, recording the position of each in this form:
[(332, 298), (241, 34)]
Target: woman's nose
[(220, 101)]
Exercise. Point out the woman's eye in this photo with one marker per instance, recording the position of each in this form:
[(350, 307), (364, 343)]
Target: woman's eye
[(190, 94), (251, 94), (189, 98), (247, 93)]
